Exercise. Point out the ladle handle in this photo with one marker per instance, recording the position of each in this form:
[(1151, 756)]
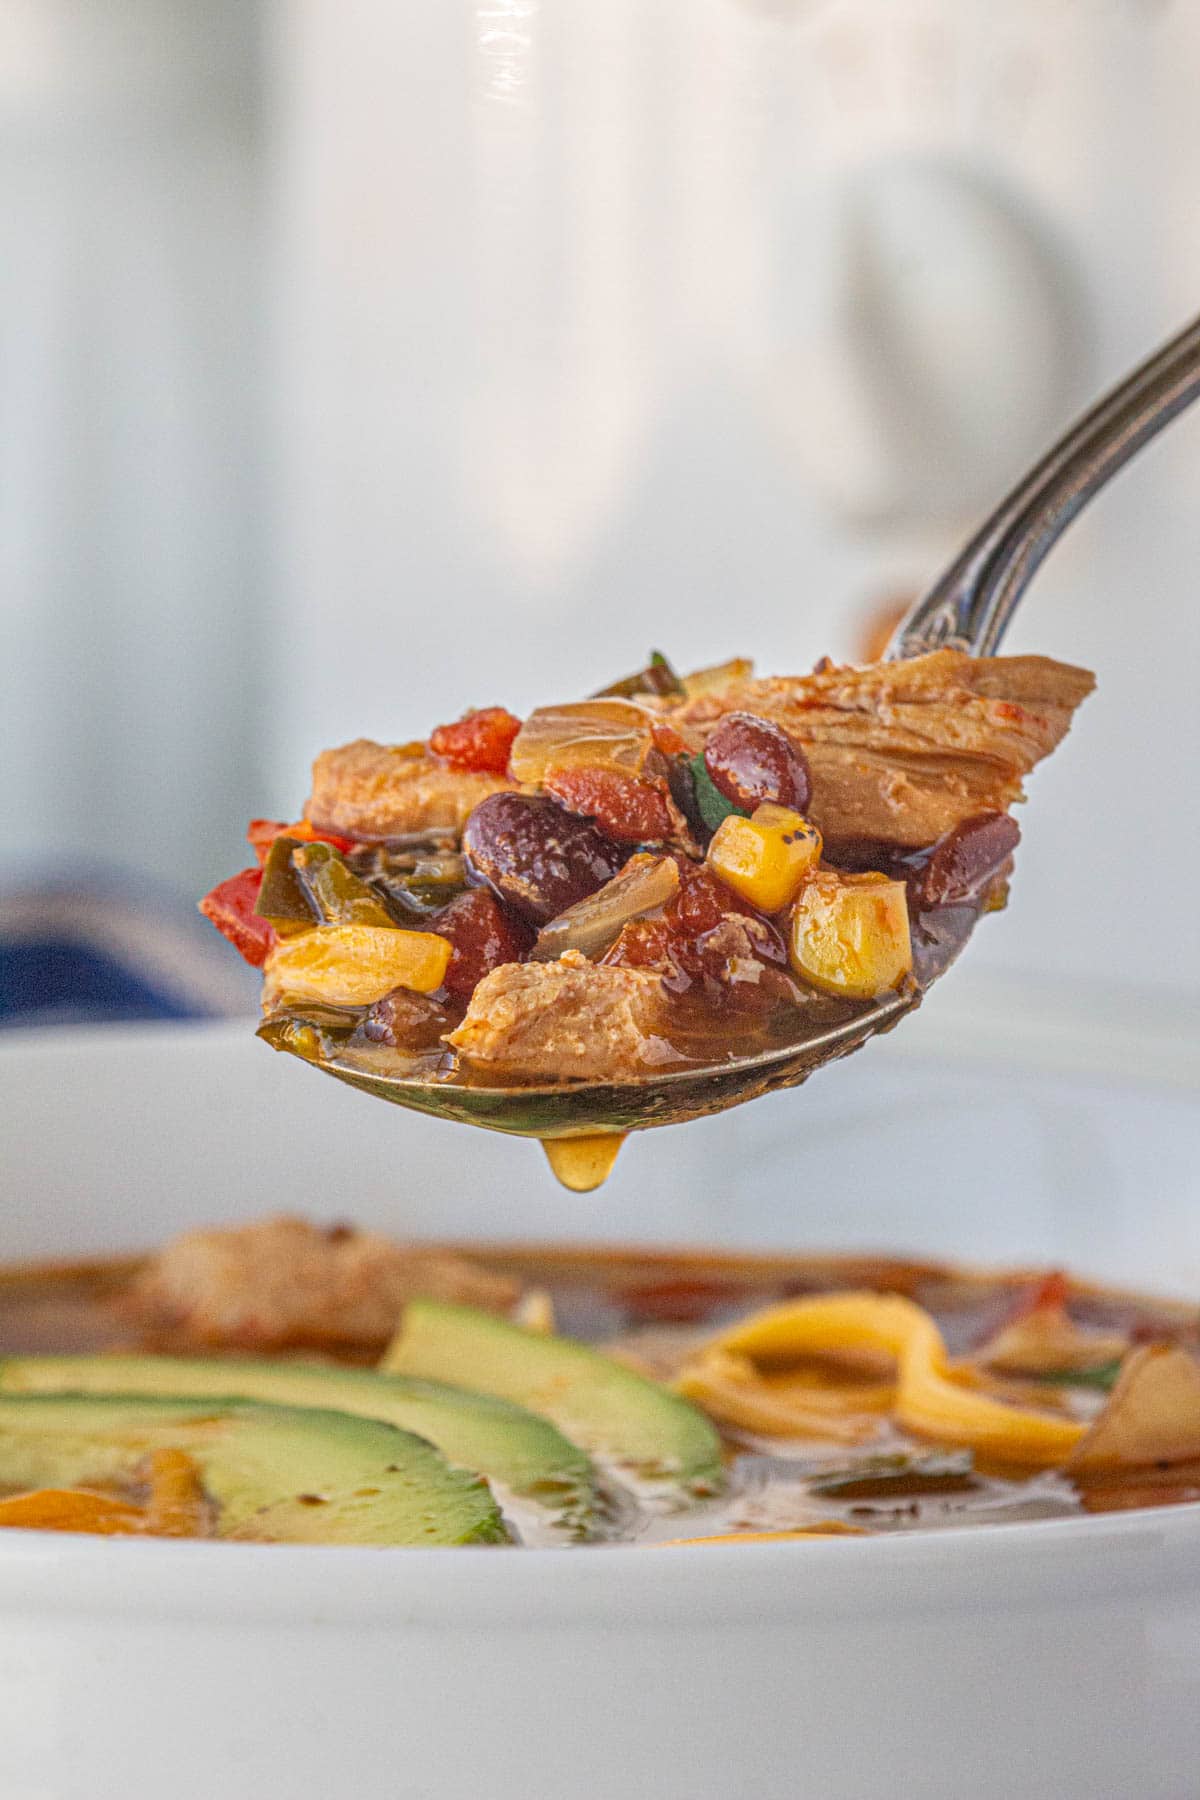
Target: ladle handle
[(970, 607)]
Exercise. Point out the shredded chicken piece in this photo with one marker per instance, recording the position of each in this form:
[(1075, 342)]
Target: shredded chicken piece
[(369, 791), (286, 1283), (566, 1020), (905, 751)]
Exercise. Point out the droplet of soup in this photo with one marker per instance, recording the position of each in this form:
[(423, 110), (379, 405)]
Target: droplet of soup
[(583, 1163)]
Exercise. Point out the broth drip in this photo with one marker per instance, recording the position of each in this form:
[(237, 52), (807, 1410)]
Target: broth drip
[(583, 1164)]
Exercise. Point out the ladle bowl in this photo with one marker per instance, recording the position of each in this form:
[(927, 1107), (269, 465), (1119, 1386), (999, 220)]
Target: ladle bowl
[(969, 608)]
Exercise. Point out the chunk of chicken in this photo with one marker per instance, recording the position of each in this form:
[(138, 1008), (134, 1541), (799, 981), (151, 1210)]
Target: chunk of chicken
[(369, 791), (564, 1020), (904, 751), (287, 1283)]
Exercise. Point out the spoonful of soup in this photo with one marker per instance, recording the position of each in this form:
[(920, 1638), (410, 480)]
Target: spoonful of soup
[(682, 892)]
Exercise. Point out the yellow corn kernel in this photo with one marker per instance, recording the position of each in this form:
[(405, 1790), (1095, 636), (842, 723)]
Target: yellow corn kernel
[(352, 965), (850, 934), (765, 858)]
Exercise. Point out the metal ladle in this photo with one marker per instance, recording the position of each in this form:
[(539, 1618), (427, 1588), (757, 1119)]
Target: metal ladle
[(969, 609)]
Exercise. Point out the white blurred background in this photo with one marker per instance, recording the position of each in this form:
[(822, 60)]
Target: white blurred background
[(363, 361)]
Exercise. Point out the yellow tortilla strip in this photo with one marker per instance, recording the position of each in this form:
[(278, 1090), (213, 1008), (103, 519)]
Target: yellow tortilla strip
[(731, 1389), (826, 1528), (930, 1401)]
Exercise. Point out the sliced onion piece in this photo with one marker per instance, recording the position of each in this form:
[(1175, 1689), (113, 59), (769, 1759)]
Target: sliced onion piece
[(593, 926), (597, 734), (1152, 1416), (710, 681), (1047, 1339)]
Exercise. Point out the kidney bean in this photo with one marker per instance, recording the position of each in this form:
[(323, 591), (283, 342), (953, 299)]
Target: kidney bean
[(404, 1020), (963, 862), (702, 900), (538, 858), (751, 760), (484, 934)]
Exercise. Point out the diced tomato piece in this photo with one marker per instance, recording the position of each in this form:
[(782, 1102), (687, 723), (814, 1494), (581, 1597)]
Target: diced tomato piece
[(230, 907), (261, 834), (624, 807), (481, 741), (485, 933), (1050, 1291), (1041, 1293), (693, 937), (667, 740), (680, 1302)]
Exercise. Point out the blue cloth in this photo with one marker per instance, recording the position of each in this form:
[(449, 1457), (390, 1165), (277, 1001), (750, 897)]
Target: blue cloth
[(105, 949)]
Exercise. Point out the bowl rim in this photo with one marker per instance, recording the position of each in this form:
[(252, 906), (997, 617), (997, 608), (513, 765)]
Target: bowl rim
[(997, 1567), (988, 1567)]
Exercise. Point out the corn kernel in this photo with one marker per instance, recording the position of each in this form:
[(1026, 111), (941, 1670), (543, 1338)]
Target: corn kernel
[(850, 934), (353, 965), (765, 858)]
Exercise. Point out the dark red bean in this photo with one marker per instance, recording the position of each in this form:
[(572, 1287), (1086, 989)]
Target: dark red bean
[(751, 760), (537, 857), (702, 900), (404, 1020), (484, 934), (964, 861)]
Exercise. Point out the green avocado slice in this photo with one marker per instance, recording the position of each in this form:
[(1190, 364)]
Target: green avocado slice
[(278, 1474), (619, 1417), (489, 1436)]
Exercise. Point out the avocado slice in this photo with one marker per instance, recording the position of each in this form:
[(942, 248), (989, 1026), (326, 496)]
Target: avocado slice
[(278, 1474), (489, 1436), (624, 1420)]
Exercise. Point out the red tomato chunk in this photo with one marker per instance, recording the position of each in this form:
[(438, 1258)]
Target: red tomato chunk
[(626, 808), (480, 742), (261, 834), (230, 907)]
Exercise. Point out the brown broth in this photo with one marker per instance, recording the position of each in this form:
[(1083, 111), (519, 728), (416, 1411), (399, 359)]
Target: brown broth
[(652, 1306)]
